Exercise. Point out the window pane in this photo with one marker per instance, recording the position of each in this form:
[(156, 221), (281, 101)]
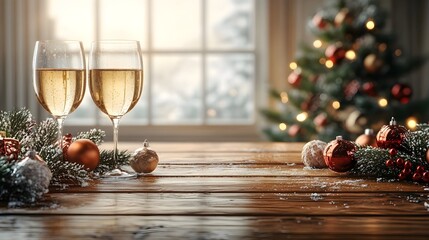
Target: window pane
[(139, 114), (230, 23), (230, 88), (85, 114), (72, 20), (176, 24), (176, 90), (125, 19)]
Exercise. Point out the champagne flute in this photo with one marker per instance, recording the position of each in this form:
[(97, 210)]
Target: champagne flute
[(115, 83), (59, 78)]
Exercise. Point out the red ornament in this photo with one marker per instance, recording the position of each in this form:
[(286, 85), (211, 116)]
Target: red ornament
[(84, 152), (367, 139), (335, 53), (310, 104), (294, 79), (402, 92), (319, 22), (391, 136), (402, 176), (369, 89), (420, 169), (351, 89), (10, 147), (294, 130), (338, 155), (321, 120)]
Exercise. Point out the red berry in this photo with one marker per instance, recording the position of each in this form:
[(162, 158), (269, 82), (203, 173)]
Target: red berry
[(408, 165), (400, 162), (390, 163), (417, 177), (393, 152), (425, 176), (420, 169), (406, 171), (402, 176)]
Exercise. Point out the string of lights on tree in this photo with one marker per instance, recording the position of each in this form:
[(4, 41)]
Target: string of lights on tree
[(352, 77)]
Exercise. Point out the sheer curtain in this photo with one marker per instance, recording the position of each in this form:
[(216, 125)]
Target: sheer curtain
[(20, 27)]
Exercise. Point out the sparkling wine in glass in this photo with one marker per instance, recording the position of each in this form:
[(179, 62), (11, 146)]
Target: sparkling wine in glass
[(115, 83), (59, 78)]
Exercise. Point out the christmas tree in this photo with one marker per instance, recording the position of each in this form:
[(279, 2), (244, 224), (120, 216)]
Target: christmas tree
[(352, 77)]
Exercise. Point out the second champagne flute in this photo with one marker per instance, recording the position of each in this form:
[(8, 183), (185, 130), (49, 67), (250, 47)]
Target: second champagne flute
[(115, 83)]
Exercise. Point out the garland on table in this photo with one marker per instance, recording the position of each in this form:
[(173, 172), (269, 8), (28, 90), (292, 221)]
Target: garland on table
[(395, 153), (25, 175)]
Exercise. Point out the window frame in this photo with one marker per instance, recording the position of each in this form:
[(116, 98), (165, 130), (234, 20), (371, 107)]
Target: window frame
[(203, 131)]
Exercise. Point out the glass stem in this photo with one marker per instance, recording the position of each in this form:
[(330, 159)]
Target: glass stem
[(60, 121), (115, 122)]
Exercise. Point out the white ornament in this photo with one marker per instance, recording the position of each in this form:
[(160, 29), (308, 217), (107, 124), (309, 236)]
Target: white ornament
[(34, 175), (312, 154)]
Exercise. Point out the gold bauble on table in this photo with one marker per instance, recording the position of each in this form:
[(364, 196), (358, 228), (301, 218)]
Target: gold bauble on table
[(144, 160), (84, 152), (367, 139)]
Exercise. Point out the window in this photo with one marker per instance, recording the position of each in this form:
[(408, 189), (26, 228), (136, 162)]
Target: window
[(199, 57)]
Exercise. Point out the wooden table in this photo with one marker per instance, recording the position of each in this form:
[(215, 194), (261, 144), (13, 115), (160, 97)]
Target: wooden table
[(226, 191)]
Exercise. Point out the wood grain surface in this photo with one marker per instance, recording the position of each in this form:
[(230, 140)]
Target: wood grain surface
[(226, 191)]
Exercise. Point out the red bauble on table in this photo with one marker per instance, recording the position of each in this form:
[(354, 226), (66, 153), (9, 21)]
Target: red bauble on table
[(391, 136), (338, 155), (402, 92), (294, 78), (84, 152)]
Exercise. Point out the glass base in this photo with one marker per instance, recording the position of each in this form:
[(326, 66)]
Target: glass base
[(119, 174)]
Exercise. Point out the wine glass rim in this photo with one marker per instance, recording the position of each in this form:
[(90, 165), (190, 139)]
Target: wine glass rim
[(115, 41), (59, 41)]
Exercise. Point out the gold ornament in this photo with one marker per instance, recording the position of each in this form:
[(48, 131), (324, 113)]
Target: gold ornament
[(355, 122), (84, 152), (344, 16), (372, 63), (367, 139), (144, 160)]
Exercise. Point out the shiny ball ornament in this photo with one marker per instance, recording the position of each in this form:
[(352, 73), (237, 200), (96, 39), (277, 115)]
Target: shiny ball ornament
[(367, 139), (335, 53), (144, 160), (338, 155), (369, 89), (372, 63), (319, 21), (312, 154), (391, 136), (33, 176), (344, 16), (356, 121), (294, 130), (321, 120), (84, 152), (402, 92), (294, 79)]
